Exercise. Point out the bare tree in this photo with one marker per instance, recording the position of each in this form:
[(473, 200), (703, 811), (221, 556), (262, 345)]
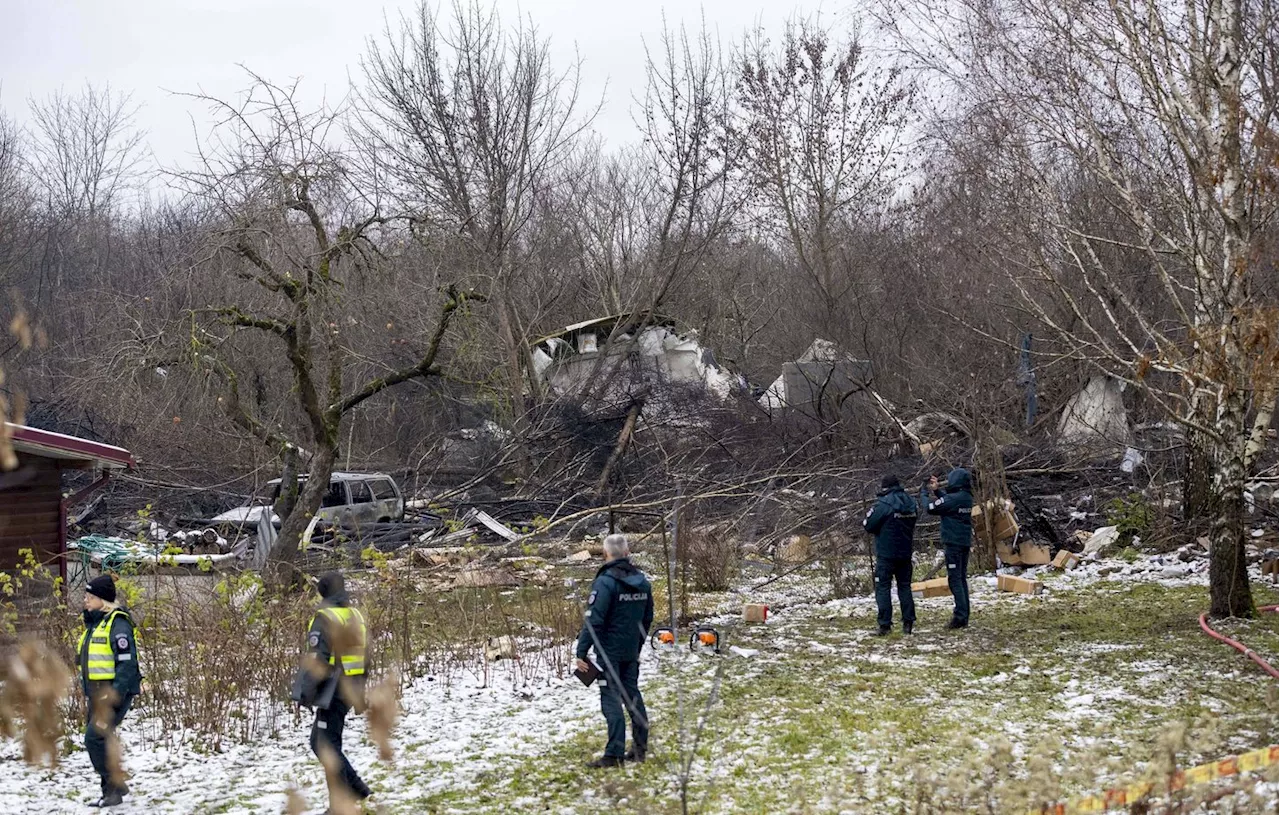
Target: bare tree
[(86, 151), (1138, 141), (689, 158), (473, 125), (823, 129), (16, 201), (294, 239)]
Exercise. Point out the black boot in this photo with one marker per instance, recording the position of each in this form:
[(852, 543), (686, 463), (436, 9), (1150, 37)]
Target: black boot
[(906, 627), (956, 624), (112, 798), (605, 761), (882, 631), (638, 756)]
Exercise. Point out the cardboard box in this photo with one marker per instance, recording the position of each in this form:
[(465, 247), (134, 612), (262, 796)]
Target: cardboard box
[(1065, 559), (931, 588), (755, 612), (998, 514), (1029, 553), (1019, 585)]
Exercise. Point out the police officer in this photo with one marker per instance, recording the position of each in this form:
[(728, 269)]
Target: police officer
[(332, 677), (108, 658), (954, 505), (619, 613), (893, 521)]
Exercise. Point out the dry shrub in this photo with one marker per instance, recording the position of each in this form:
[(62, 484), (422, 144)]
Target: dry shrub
[(103, 720), (219, 654), (295, 803), (38, 681), (712, 557), (219, 663), (384, 712), (846, 564), (341, 800)]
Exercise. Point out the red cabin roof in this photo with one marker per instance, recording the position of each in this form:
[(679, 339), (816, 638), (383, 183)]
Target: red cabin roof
[(77, 452)]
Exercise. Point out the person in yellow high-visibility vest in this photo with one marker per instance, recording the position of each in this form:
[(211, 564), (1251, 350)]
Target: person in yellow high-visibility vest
[(107, 655), (333, 679)]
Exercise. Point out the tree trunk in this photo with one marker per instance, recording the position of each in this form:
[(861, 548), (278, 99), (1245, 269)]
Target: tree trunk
[(1198, 495), (1229, 592), (285, 551)]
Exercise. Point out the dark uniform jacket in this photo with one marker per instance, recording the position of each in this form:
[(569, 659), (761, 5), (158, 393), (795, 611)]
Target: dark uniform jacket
[(619, 612), (954, 505), (893, 521), (124, 645), (319, 689)]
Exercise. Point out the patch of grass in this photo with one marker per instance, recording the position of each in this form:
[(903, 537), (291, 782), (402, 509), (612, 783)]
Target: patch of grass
[(1084, 682)]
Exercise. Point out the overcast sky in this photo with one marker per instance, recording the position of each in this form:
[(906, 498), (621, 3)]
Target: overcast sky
[(152, 48)]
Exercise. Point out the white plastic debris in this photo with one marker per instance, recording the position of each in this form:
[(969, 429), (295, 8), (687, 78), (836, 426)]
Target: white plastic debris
[(1131, 461)]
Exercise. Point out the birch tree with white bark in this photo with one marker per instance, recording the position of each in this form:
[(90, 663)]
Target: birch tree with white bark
[(1167, 113)]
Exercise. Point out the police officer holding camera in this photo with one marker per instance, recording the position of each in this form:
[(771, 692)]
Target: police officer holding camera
[(954, 505)]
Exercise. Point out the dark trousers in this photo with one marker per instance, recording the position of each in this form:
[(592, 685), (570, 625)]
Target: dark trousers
[(957, 558), (327, 730), (612, 700), (889, 569), (95, 741)]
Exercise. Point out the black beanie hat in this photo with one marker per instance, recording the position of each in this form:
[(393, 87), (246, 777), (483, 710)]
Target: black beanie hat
[(330, 584), (102, 586), (889, 482)]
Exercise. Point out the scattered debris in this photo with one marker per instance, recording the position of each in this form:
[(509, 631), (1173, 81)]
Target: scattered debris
[(479, 577), (1131, 461), (496, 527), (795, 549), (624, 351), (936, 431), (497, 648), (581, 556), (755, 612), (1103, 542), (1096, 417), (823, 373), (746, 653)]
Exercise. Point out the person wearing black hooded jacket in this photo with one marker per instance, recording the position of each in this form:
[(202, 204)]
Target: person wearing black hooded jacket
[(954, 506), (893, 521), (332, 678), (619, 613)]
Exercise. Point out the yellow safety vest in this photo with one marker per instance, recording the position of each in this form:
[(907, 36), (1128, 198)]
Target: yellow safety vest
[(353, 659), (101, 663)]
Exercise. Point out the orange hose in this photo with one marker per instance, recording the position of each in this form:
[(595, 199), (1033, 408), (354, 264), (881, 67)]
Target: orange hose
[(1266, 666)]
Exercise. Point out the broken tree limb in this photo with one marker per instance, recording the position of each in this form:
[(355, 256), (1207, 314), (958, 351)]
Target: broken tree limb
[(628, 428), (884, 408)]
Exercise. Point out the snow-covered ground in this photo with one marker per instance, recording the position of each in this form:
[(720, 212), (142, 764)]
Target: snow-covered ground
[(449, 734), (814, 715)]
